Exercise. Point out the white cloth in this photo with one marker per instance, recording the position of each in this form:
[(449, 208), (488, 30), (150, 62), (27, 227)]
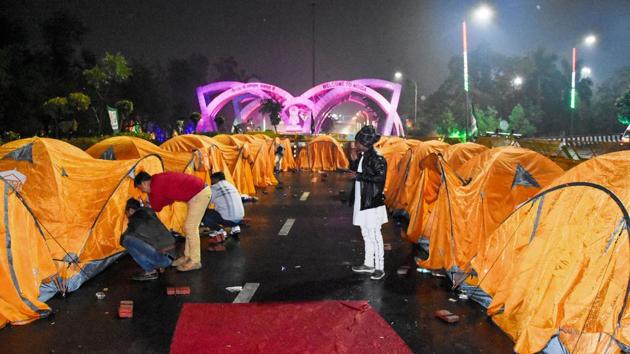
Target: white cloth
[(371, 218), (227, 201), (374, 252)]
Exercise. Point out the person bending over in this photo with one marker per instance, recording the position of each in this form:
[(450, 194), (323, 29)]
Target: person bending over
[(168, 187), (147, 240), (369, 201), (228, 207)]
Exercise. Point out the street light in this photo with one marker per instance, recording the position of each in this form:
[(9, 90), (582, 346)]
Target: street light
[(483, 13), (398, 76), (517, 82), (590, 39), (585, 72)]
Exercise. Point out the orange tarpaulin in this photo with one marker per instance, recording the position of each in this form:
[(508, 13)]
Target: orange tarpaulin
[(561, 263), (458, 154), (323, 153), (78, 203), (465, 215)]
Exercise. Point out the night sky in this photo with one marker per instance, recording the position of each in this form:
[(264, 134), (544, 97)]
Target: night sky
[(354, 38)]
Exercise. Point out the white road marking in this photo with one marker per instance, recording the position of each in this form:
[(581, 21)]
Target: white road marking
[(245, 296), (286, 228), (304, 196)]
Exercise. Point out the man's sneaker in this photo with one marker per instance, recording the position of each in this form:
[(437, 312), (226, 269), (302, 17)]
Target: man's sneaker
[(235, 230), (145, 276), (363, 269), (378, 274), (219, 232)]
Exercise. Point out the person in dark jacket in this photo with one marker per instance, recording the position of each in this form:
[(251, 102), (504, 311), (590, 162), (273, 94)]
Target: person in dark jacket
[(147, 240), (369, 200)]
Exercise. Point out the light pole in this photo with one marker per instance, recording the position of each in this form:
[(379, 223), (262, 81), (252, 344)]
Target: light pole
[(398, 76), (589, 41), (482, 14)]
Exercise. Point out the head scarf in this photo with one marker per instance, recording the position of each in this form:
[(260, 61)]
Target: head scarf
[(367, 136)]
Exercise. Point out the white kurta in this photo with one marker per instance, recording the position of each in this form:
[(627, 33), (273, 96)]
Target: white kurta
[(369, 218)]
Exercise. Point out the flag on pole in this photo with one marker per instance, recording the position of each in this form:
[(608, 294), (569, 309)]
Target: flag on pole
[(113, 118)]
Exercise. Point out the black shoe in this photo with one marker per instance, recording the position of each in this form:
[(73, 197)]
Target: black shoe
[(377, 275), (145, 276), (363, 269)]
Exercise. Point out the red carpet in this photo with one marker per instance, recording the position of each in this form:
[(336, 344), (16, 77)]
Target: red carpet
[(303, 327)]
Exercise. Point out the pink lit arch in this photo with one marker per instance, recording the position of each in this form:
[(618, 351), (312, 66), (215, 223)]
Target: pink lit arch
[(298, 111)]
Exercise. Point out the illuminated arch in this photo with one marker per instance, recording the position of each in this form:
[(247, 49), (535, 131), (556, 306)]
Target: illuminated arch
[(315, 102)]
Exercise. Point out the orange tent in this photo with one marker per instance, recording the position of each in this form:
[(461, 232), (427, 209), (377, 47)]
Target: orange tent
[(323, 153), (221, 157), (68, 210), (458, 154), (257, 152), (466, 214), (393, 149), (131, 148), (406, 175), (560, 264)]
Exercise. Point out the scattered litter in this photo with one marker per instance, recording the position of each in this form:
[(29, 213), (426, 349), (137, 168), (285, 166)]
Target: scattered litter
[(52, 323), (452, 300), (387, 247), (105, 289), (423, 270), (100, 295), (403, 270), (438, 274), (283, 268), (234, 289), (463, 296), (314, 179), (298, 266), (447, 316)]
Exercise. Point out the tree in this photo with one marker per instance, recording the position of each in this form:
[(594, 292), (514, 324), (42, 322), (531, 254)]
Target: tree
[(448, 126), (57, 109), (623, 107), (605, 116), (112, 69), (125, 107), (78, 104), (272, 108), (487, 120), (519, 123), (183, 77)]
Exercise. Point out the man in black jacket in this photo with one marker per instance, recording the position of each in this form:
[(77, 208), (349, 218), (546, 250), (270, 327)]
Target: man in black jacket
[(147, 240), (369, 200)]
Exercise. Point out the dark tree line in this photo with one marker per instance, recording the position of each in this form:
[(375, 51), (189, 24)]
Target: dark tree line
[(41, 86), (540, 105)]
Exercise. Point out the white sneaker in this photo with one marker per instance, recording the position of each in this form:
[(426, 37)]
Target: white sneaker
[(235, 230), (218, 233)]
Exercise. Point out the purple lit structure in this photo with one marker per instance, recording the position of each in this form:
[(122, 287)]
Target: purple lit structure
[(316, 103)]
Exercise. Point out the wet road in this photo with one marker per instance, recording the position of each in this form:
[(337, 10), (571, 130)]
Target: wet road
[(312, 262)]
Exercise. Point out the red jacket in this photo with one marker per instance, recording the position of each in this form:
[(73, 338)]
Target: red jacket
[(170, 187)]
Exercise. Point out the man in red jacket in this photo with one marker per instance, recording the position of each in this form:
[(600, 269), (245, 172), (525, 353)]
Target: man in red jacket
[(169, 187)]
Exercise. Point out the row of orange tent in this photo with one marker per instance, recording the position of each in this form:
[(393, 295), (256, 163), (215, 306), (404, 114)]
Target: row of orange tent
[(547, 251), (62, 207)]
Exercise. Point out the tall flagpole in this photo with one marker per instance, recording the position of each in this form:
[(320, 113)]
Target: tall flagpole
[(572, 91), (465, 40)]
